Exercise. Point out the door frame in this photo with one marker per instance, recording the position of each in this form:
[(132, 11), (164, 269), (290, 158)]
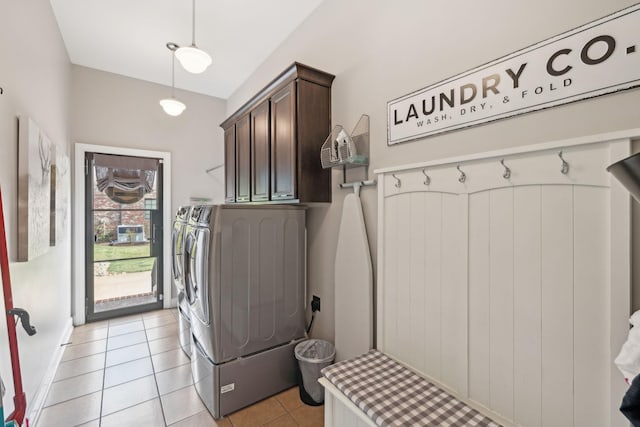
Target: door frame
[(78, 249)]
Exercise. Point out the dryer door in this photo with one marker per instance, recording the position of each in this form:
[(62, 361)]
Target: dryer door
[(197, 272)]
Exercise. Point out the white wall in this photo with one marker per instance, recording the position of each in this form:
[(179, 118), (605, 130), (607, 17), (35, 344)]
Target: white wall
[(381, 50), (35, 75)]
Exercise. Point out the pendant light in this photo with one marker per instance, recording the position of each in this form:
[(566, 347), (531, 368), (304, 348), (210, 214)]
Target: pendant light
[(191, 58), (172, 106)]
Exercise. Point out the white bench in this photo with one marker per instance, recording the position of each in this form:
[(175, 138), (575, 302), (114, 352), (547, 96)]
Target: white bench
[(375, 390)]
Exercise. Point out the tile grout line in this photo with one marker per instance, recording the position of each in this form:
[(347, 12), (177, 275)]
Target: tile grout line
[(72, 344), (128, 407), (128, 381), (135, 379), (77, 375), (86, 355), (104, 374), (70, 398), (155, 378)]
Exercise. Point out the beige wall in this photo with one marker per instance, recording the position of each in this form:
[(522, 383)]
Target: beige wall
[(35, 75), (110, 109), (381, 50)]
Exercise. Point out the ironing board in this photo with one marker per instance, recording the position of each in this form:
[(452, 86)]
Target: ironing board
[(353, 284)]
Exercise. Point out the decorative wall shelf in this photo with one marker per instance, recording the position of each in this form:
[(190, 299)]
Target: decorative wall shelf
[(344, 149), (348, 151)]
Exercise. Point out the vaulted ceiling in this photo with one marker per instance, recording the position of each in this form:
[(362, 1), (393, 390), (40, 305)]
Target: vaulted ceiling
[(129, 37)]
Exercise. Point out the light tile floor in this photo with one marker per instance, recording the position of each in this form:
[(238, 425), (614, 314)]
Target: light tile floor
[(131, 372)]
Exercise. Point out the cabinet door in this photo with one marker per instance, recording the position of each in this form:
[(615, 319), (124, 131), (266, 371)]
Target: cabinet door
[(283, 144), (313, 124), (260, 152), (243, 160), (230, 164)]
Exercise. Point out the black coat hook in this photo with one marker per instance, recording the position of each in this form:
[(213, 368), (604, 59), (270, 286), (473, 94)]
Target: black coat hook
[(427, 179), (398, 183), (1, 91), (463, 176), (507, 170), (565, 165)]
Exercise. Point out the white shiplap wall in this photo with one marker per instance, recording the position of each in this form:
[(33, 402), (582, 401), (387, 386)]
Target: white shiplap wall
[(500, 289)]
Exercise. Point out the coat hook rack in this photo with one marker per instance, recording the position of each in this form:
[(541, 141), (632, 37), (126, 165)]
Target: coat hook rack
[(565, 165), (507, 170), (463, 176)]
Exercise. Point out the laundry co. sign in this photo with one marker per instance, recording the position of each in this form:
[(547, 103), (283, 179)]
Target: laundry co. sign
[(598, 58)]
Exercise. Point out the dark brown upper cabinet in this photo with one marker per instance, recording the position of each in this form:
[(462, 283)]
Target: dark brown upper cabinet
[(230, 164), (260, 157), (283, 143), (243, 159), (278, 136)]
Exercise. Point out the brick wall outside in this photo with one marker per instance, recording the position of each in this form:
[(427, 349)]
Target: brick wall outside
[(105, 223)]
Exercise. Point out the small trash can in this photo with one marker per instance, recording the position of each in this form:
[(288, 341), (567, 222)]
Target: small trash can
[(313, 355)]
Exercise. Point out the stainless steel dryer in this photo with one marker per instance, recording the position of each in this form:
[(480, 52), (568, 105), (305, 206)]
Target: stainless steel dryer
[(177, 274), (245, 278)]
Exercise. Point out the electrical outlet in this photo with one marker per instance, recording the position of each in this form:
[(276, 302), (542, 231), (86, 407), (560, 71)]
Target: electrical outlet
[(315, 304)]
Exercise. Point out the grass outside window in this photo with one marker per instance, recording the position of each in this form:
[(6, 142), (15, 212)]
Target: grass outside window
[(106, 253)]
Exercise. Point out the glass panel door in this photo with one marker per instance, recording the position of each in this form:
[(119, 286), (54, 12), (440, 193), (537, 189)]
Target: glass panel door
[(123, 235)]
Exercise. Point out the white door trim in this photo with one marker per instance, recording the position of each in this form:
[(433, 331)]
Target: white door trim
[(78, 253)]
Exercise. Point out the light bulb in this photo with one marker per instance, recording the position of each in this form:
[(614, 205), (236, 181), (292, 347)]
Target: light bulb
[(193, 59), (172, 106)]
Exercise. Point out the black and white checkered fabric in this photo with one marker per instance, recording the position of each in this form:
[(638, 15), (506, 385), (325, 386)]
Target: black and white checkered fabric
[(392, 395)]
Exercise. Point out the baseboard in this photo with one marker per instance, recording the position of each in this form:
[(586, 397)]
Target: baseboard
[(34, 409), (174, 302)]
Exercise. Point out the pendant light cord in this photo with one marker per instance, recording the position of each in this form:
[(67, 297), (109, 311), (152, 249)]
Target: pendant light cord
[(173, 74), (193, 27)]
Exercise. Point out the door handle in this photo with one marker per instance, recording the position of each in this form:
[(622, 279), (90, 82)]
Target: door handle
[(153, 234), (186, 268)]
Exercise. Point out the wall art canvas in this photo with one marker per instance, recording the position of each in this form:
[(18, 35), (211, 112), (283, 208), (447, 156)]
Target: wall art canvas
[(36, 154), (60, 186)]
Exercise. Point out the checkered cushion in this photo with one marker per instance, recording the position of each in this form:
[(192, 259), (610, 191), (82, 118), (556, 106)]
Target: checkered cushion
[(392, 395)]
